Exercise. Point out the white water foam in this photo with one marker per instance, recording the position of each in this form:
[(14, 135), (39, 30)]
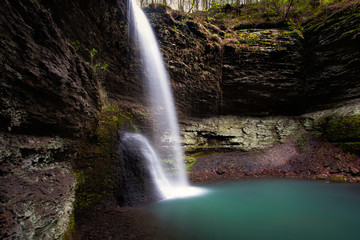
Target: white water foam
[(168, 190)]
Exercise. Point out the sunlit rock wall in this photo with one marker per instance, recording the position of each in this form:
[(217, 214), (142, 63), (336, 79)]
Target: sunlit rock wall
[(236, 133)]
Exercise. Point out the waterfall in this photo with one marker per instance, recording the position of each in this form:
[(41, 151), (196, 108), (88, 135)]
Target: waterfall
[(166, 166)]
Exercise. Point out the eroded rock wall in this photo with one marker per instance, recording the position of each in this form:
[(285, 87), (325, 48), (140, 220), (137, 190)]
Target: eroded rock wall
[(332, 59), (231, 133), (340, 126), (259, 70), (37, 189), (263, 69), (262, 73), (47, 95), (45, 87), (193, 61)]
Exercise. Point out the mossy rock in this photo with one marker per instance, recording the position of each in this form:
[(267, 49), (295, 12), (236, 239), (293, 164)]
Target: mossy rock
[(96, 170), (189, 161), (338, 178), (346, 129)]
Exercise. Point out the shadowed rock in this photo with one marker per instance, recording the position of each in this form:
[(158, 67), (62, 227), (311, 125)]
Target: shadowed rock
[(136, 186)]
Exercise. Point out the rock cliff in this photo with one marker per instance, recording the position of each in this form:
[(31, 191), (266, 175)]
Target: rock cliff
[(70, 81), (331, 57), (50, 98), (260, 69)]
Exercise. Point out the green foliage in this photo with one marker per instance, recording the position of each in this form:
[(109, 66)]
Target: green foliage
[(246, 37), (76, 45), (296, 28), (292, 8), (218, 4), (101, 66), (93, 52), (96, 66), (122, 25)]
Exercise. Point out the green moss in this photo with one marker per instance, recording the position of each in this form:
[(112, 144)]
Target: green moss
[(352, 32), (328, 20), (70, 233), (96, 169), (302, 142), (246, 37), (344, 129), (190, 160), (338, 178), (284, 35), (79, 175), (343, 132), (317, 134)]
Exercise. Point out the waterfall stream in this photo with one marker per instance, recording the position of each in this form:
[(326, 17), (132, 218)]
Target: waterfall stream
[(166, 165)]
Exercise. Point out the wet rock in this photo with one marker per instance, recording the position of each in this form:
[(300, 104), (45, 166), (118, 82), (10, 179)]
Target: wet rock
[(196, 28), (136, 185), (49, 97)]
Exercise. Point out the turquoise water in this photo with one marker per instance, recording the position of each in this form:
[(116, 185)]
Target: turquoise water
[(265, 209)]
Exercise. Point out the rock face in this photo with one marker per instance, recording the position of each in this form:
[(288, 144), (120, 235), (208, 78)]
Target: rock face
[(44, 85), (51, 95), (339, 126), (224, 133), (260, 69), (48, 97), (332, 46), (37, 190), (192, 59), (261, 73), (136, 185)]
